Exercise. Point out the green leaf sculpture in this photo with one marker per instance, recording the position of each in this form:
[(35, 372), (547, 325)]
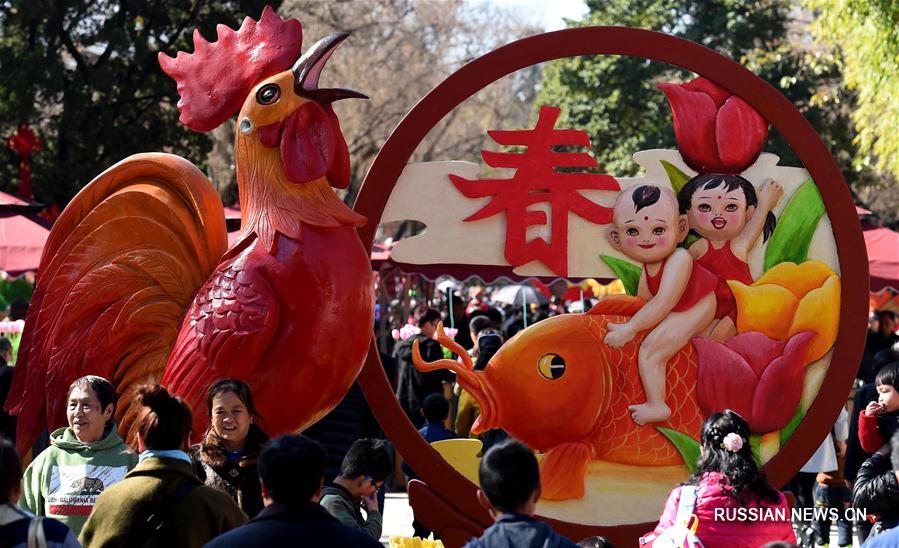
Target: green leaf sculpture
[(676, 177), (791, 426), (755, 442), (686, 446), (628, 273), (796, 227)]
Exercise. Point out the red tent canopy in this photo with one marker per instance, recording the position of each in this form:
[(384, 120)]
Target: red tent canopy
[(22, 239), (883, 256), (22, 235)]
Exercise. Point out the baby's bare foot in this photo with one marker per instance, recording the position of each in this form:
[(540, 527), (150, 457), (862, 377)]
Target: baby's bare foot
[(649, 412)]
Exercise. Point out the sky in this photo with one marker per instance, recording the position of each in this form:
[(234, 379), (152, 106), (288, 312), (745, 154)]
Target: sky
[(549, 13)]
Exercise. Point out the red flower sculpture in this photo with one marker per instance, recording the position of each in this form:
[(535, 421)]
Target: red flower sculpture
[(758, 377), (716, 131)]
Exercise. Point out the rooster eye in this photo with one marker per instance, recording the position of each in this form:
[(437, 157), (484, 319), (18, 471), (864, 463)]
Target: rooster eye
[(268, 94)]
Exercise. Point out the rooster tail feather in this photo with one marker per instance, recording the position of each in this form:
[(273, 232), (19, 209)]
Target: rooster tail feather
[(120, 269)]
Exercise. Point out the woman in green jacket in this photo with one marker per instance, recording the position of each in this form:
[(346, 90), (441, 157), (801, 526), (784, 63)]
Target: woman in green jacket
[(83, 459), (161, 502)]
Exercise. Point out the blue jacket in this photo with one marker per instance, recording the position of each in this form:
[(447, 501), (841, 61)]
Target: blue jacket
[(521, 532), (308, 525), (435, 431), (14, 524), (431, 432), (889, 539)]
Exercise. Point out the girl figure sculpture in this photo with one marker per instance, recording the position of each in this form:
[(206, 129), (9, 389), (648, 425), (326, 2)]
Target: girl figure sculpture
[(679, 293), (728, 215)]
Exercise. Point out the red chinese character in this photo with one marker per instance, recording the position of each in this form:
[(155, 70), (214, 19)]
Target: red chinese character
[(537, 181)]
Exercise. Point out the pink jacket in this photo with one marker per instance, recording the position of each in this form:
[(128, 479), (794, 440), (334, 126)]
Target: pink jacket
[(723, 522)]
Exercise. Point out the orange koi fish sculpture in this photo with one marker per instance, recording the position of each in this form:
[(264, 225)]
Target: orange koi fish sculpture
[(560, 390)]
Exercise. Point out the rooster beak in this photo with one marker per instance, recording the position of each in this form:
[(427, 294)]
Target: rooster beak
[(308, 69)]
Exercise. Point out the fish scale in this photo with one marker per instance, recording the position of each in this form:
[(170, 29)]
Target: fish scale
[(619, 438)]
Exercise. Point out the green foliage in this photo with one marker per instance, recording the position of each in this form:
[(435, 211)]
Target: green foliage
[(628, 273), (13, 289), (615, 99), (686, 446), (676, 177), (85, 75), (796, 226), (867, 35)]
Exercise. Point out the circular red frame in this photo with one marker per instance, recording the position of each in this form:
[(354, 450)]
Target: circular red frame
[(776, 108)]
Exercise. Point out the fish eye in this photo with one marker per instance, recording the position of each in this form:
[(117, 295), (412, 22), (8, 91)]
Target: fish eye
[(705, 208), (268, 94), (632, 232), (551, 366)]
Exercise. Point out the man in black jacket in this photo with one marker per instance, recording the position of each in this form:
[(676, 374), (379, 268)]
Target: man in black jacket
[(413, 386), (292, 471)]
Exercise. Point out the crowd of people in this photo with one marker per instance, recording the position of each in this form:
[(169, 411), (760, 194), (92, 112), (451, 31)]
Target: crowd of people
[(237, 487)]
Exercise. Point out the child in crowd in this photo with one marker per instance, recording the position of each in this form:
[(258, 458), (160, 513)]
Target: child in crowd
[(679, 293), (362, 474), (879, 421), (436, 410), (510, 488)]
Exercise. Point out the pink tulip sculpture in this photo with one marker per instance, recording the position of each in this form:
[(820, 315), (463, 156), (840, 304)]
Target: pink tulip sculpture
[(758, 377)]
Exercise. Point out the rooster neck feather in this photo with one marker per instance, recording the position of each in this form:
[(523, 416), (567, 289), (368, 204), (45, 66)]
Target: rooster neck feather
[(271, 204)]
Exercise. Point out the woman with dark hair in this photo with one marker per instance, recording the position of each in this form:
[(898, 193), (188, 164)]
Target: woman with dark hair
[(83, 459), (729, 496), (161, 502), (15, 523), (226, 459)]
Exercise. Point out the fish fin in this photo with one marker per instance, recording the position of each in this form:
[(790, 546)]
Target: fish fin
[(563, 470), (619, 305)]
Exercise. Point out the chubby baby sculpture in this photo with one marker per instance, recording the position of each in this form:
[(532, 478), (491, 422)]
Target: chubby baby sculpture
[(679, 293)]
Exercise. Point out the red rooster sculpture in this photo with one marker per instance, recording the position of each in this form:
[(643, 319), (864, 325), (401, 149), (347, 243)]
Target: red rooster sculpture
[(136, 283)]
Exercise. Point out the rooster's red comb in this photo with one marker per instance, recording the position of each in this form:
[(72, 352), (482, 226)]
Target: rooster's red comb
[(214, 80)]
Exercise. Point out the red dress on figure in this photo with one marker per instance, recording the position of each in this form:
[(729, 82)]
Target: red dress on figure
[(726, 266), (702, 282)]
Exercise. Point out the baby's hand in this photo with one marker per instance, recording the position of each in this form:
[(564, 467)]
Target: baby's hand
[(619, 335), (771, 193), (873, 409)]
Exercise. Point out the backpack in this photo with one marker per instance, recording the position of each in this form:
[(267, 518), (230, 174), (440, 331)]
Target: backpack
[(683, 533)]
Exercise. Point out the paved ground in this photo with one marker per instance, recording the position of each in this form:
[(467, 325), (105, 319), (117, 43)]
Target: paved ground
[(397, 517)]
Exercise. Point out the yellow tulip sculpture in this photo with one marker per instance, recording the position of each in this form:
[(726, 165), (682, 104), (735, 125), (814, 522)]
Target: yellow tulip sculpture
[(789, 299)]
